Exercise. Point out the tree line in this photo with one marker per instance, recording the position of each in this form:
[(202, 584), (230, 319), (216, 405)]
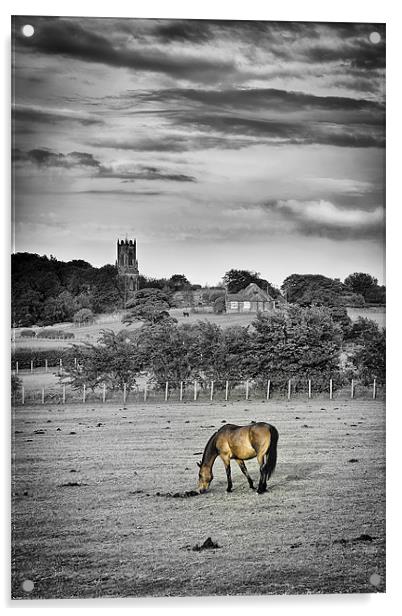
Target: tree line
[(47, 291), (299, 343)]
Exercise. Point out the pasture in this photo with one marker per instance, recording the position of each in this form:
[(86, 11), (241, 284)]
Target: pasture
[(99, 506), (90, 333)]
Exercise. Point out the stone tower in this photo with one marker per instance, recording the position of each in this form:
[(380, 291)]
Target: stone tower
[(127, 265)]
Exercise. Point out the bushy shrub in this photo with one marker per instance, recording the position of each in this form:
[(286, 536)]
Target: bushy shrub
[(113, 362), (369, 357), (38, 356), (28, 333), (300, 343), (55, 334), (16, 385)]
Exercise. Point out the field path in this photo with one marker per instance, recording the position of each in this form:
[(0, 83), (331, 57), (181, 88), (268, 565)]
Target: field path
[(88, 520)]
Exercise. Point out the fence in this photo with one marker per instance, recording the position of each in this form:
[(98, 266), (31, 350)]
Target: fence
[(198, 391)]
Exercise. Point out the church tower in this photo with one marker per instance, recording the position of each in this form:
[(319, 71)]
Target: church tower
[(127, 265)]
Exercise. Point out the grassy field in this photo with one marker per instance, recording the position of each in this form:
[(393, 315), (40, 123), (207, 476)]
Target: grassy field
[(90, 333), (94, 516)]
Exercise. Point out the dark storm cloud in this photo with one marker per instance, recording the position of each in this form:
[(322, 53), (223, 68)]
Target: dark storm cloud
[(43, 158), (45, 115), (324, 133), (263, 98), (143, 173), (363, 55), (236, 118), (70, 39), (47, 158), (175, 143)]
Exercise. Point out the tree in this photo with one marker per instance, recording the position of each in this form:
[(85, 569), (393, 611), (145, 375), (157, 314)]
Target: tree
[(108, 290), (178, 282), (361, 283), (369, 357), (300, 343), (236, 280), (16, 385), (219, 304), (315, 289), (84, 316), (112, 362), (148, 305), (340, 315)]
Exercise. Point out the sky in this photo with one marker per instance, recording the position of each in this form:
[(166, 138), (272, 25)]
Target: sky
[(218, 145)]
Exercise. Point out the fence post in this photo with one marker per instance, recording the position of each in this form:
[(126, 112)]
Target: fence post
[(181, 391), (212, 390), (289, 388), (104, 393), (195, 390), (31, 366), (75, 362), (145, 392), (64, 394), (61, 366), (227, 390), (22, 395), (83, 393), (166, 390), (374, 388), (43, 395), (309, 388), (45, 365), (352, 389), (268, 389), (330, 389), (247, 385), (124, 392), (16, 367)]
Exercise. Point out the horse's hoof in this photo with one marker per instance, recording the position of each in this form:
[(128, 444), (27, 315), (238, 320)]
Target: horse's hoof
[(229, 490), (261, 491)]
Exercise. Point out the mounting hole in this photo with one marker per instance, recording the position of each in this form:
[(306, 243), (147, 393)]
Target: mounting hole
[(375, 37), (28, 30), (27, 585), (375, 579)]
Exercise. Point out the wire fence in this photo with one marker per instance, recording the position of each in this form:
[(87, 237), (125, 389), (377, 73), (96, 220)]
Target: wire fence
[(198, 391)]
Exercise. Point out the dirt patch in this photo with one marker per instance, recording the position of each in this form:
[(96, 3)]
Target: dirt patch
[(310, 527)]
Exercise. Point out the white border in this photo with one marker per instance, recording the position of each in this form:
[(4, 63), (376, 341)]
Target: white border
[(296, 10)]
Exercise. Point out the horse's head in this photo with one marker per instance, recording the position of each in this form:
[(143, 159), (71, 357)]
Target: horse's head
[(204, 477)]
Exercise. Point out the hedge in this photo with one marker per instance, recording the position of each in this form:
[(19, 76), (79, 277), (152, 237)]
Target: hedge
[(54, 334), (38, 356)]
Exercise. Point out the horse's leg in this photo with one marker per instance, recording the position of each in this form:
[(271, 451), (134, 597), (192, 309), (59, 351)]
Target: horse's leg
[(226, 462), (262, 461), (244, 470)]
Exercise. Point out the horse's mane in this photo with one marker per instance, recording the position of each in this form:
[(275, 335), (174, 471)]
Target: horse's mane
[(208, 447)]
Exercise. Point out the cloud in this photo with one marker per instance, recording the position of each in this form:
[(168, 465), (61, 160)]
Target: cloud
[(271, 99), (325, 219), (282, 132), (68, 38), (174, 142), (47, 158), (43, 158), (34, 113), (236, 118), (130, 173)]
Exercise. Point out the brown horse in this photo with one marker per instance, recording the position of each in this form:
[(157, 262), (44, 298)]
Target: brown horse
[(258, 440)]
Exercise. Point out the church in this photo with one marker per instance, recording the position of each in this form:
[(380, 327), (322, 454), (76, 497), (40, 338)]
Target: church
[(127, 265)]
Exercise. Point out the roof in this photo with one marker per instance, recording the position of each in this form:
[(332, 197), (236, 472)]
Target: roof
[(251, 293)]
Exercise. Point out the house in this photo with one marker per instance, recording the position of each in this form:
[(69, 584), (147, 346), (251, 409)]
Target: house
[(250, 299)]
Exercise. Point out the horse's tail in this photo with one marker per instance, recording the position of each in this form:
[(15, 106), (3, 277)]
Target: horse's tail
[(272, 451)]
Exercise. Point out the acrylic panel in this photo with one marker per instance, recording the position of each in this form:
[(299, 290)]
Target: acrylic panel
[(198, 307)]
